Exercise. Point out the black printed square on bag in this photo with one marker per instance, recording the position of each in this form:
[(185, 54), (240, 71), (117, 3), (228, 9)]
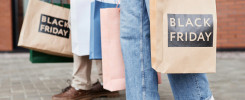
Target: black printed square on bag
[(190, 30), (54, 26)]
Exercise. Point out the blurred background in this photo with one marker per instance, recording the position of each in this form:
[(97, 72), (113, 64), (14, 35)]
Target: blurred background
[(21, 80)]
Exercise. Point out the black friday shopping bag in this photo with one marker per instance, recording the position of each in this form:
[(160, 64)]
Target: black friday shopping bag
[(45, 29), (183, 36)]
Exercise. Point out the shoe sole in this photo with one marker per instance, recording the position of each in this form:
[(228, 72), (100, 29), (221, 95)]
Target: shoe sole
[(108, 95), (91, 97), (78, 98)]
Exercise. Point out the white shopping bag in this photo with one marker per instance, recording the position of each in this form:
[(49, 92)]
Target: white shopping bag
[(80, 26)]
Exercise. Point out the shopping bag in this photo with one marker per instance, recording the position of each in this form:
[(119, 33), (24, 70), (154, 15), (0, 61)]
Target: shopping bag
[(38, 57), (95, 33), (183, 36), (112, 62), (80, 26), (45, 29)]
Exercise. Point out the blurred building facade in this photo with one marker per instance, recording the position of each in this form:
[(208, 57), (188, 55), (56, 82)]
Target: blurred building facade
[(6, 38), (231, 24)]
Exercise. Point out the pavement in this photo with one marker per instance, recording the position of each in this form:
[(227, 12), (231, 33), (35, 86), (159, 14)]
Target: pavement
[(22, 80)]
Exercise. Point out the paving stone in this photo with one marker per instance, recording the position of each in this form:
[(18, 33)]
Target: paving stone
[(33, 98), (28, 86), (31, 91), (46, 97), (55, 89), (18, 97), (23, 80), (8, 98), (32, 94), (6, 85), (5, 94), (17, 89)]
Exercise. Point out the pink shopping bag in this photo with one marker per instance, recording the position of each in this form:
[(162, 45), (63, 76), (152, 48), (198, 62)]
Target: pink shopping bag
[(112, 59)]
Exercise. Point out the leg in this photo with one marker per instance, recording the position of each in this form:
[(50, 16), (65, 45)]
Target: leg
[(141, 79), (190, 86), (80, 88), (98, 90), (98, 65), (81, 73)]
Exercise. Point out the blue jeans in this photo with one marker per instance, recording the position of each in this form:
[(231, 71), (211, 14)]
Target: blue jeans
[(141, 79)]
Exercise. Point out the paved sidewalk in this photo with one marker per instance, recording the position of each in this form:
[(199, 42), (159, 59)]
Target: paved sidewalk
[(21, 80)]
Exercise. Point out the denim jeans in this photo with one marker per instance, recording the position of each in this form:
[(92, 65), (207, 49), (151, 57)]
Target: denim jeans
[(141, 79)]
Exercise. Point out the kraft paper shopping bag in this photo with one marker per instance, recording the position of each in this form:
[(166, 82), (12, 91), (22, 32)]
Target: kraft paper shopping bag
[(183, 36), (95, 33), (45, 29), (80, 26), (38, 57), (112, 62)]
